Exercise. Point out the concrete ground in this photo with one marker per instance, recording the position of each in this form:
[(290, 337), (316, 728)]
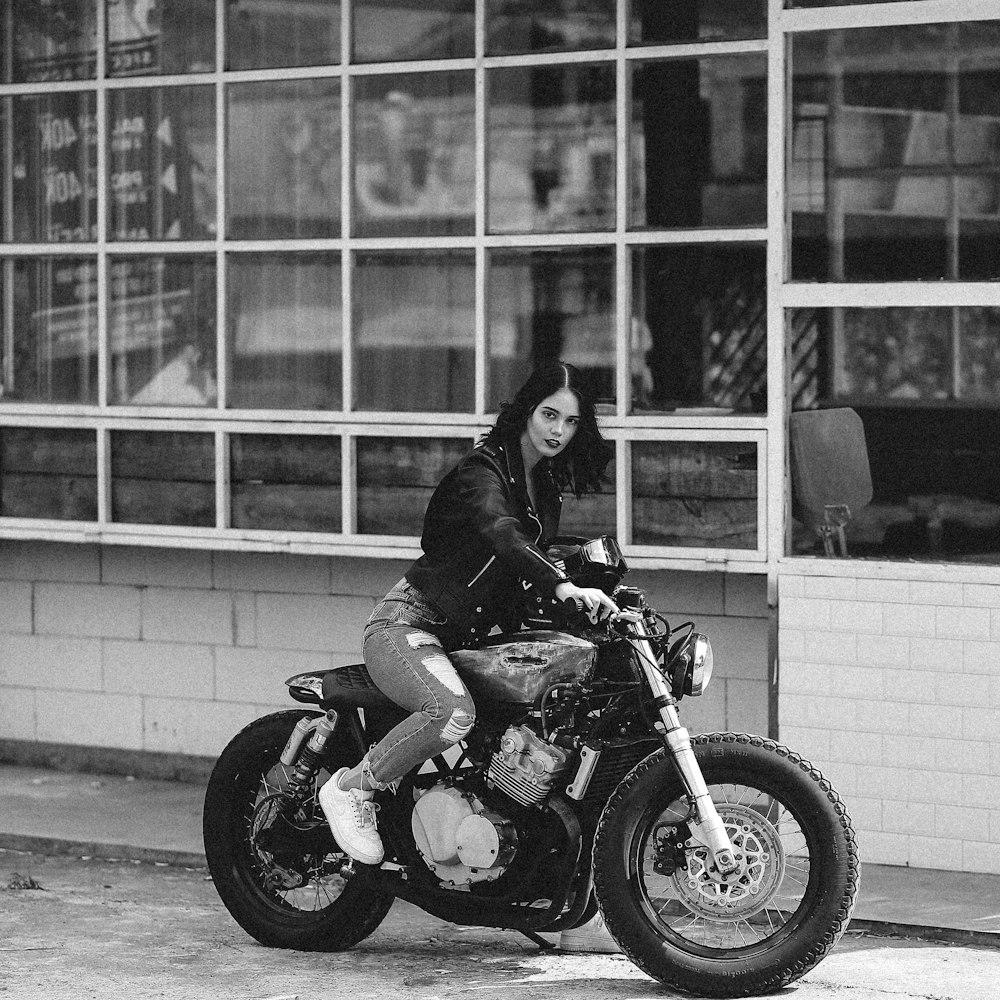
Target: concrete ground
[(117, 817), (73, 929)]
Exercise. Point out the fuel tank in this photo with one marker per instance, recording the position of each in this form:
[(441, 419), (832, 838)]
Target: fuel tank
[(520, 667)]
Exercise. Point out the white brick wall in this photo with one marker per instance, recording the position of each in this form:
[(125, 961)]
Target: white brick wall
[(892, 687), (172, 651)]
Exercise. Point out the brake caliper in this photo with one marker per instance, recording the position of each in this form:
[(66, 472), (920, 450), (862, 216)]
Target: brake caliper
[(669, 852)]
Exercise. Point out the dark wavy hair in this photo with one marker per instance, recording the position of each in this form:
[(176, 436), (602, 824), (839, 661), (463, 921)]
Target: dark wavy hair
[(579, 468)]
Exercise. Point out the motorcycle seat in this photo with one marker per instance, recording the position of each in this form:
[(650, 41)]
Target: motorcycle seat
[(342, 687)]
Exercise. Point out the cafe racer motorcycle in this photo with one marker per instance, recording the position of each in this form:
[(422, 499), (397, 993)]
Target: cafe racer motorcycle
[(724, 864)]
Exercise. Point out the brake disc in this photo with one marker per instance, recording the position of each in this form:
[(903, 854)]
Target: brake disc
[(760, 855)]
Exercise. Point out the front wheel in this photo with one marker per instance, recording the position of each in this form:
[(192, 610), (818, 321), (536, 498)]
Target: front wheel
[(281, 879), (677, 919)]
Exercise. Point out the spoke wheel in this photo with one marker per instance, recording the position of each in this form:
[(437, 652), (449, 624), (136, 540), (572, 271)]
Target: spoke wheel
[(278, 870), (741, 934), (695, 905)]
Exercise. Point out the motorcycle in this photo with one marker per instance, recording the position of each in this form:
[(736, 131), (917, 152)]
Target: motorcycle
[(724, 864)]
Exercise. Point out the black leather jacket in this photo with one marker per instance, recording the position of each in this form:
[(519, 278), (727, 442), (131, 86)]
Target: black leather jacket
[(481, 539)]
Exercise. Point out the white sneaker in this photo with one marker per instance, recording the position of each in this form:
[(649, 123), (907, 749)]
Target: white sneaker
[(351, 815), (593, 937)]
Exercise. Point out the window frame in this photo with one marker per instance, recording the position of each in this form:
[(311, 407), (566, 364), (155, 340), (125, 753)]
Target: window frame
[(623, 427)]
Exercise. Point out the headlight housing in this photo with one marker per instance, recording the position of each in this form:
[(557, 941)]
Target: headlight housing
[(691, 669)]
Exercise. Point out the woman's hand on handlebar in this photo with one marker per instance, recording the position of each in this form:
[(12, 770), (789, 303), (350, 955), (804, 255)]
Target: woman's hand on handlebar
[(594, 602)]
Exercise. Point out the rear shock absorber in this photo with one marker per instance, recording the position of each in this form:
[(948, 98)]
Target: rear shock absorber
[(308, 761)]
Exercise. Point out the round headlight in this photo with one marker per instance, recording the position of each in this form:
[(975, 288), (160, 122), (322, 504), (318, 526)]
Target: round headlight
[(702, 663)]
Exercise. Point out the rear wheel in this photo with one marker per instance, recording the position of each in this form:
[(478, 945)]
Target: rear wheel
[(684, 924), (280, 878)]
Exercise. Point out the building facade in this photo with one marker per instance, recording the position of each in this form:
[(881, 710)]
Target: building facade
[(268, 268)]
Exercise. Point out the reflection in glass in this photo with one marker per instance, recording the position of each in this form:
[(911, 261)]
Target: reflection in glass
[(284, 330), (894, 152), (551, 148), (653, 22), (926, 384), (979, 354), (283, 159), (56, 40), (49, 314), (830, 3), (48, 472), (161, 175), (551, 305), (161, 37), (594, 513), (699, 328), (161, 328), (396, 477), (52, 170), (386, 30), (265, 34), (525, 26), (698, 494), (414, 154), (285, 482), (414, 322), (163, 478), (698, 144)]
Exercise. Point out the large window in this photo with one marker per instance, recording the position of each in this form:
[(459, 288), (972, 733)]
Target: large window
[(893, 178), (268, 267)]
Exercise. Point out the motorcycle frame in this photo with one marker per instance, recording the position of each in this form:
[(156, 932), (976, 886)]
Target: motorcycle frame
[(414, 883)]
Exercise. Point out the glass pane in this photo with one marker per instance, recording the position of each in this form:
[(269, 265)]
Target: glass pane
[(162, 163), (48, 473), (926, 385), (528, 26), (701, 494), (830, 3), (163, 478), (551, 148), (895, 143), (285, 330), (52, 40), (594, 513), (414, 155), (551, 305), (286, 483), (387, 30), (396, 477), (656, 22), (699, 328), (979, 354), (283, 159), (161, 327), (414, 323), (49, 310), (698, 144), (161, 36), (264, 34), (52, 171)]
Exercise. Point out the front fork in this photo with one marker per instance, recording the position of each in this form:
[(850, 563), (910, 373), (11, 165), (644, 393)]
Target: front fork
[(706, 822)]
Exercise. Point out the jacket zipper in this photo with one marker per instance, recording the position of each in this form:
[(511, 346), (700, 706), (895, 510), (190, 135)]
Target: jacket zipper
[(481, 572), (531, 513)]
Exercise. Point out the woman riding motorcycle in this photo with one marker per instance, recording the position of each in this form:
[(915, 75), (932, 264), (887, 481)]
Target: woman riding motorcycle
[(484, 532)]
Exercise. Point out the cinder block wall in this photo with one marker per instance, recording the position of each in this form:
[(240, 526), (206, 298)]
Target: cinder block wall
[(892, 687), (171, 651)]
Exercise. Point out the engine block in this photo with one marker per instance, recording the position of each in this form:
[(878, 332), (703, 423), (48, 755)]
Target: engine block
[(526, 767)]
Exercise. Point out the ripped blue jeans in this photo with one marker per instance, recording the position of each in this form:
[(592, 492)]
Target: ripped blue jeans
[(406, 660)]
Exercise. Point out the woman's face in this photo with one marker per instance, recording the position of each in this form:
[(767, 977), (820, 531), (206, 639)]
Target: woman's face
[(551, 426)]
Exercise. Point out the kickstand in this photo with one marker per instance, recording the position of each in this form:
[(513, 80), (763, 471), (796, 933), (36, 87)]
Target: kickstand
[(543, 945)]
